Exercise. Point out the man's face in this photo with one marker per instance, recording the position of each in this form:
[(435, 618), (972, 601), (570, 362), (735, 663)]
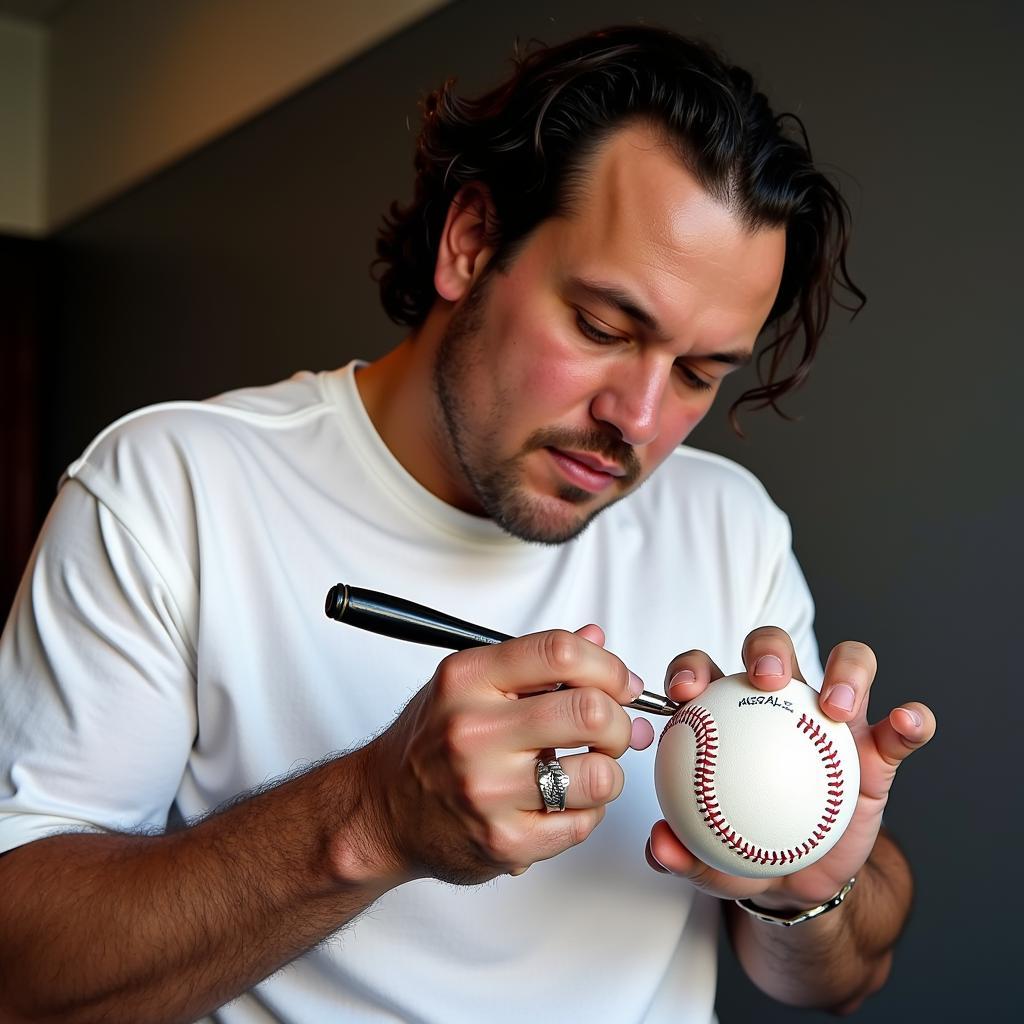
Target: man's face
[(562, 383)]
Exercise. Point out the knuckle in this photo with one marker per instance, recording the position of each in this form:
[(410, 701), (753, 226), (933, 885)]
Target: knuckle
[(601, 780), (560, 649), (592, 710), (476, 790), (503, 842), (461, 733), (704, 879), (450, 675)]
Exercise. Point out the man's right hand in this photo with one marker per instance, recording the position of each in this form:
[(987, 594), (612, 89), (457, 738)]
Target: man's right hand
[(454, 776), (166, 928)]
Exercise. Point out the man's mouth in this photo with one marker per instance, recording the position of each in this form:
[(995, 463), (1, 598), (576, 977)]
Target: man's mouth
[(585, 469)]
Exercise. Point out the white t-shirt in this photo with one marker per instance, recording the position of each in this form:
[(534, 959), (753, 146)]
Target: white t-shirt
[(168, 648)]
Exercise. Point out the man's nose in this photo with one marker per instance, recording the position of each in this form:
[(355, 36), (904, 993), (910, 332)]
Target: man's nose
[(631, 400)]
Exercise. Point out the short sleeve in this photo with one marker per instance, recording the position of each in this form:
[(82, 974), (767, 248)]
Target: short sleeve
[(97, 682)]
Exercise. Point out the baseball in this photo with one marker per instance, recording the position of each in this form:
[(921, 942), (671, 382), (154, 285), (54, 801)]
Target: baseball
[(753, 783)]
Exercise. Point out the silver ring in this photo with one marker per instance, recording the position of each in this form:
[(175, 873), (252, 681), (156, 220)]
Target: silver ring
[(553, 783)]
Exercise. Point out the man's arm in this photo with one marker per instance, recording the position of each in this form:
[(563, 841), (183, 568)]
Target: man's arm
[(166, 928), (838, 960)]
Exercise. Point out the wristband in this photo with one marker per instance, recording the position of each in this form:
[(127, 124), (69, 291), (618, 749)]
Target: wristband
[(787, 921)]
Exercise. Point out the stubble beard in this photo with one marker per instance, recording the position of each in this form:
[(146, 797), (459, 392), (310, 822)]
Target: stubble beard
[(498, 486)]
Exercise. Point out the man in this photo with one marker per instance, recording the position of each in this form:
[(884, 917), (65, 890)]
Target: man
[(592, 248)]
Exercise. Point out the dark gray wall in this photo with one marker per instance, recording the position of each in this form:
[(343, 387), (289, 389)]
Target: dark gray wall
[(249, 260)]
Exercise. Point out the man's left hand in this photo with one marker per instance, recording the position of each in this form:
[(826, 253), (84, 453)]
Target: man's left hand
[(770, 662)]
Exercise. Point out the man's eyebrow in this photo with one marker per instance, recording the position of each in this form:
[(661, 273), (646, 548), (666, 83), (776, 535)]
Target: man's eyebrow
[(738, 358), (628, 304), (621, 299)]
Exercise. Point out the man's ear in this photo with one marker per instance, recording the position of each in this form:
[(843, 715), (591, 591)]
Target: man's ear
[(465, 247)]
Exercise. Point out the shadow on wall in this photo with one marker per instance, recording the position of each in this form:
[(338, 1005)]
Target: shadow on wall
[(22, 282)]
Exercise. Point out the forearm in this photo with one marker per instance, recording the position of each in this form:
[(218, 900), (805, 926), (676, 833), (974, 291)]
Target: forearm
[(165, 928), (836, 961)]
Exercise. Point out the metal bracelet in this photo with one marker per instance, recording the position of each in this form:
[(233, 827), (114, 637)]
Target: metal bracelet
[(787, 921)]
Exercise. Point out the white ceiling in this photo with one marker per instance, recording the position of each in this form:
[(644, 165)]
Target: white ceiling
[(160, 90)]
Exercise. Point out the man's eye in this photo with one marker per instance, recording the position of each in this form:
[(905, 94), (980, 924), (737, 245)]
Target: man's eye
[(594, 333), (693, 380)]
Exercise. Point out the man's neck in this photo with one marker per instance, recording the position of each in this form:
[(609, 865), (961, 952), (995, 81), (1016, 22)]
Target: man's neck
[(397, 391)]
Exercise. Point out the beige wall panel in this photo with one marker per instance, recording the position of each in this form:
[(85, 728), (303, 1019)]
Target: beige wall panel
[(22, 127), (136, 85)]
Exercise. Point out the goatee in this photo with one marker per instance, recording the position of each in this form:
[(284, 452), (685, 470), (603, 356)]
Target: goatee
[(497, 486)]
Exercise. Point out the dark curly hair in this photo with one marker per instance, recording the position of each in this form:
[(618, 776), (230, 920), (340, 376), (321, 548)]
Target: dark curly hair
[(528, 142)]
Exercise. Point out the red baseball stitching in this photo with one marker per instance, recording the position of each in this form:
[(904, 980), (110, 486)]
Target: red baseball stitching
[(702, 723)]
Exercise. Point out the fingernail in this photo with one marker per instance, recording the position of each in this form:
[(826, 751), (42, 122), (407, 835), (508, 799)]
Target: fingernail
[(843, 696), (684, 677), (641, 736), (636, 685), (768, 665), (915, 716)]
